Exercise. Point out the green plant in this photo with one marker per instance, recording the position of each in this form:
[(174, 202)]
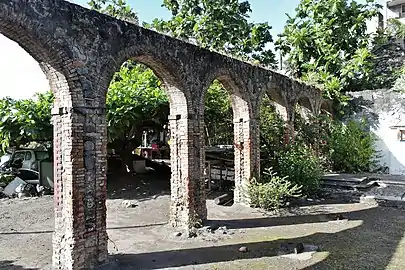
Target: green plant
[(326, 43), (272, 192), (301, 165), (271, 132), (351, 147), (6, 178)]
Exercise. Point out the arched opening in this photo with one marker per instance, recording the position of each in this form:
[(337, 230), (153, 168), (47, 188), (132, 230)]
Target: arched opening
[(231, 160), (148, 103), (273, 120), (37, 137)]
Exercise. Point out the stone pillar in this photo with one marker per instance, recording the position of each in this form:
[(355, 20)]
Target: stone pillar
[(247, 156), (80, 237), (187, 206)]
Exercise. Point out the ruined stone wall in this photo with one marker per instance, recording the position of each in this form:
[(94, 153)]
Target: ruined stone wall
[(79, 51), (384, 113)]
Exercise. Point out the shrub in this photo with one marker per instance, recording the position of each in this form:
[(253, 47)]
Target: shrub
[(272, 192), (351, 148), (302, 167)]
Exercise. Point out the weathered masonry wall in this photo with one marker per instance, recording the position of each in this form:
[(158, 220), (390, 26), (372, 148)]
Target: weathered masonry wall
[(384, 113), (79, 50)]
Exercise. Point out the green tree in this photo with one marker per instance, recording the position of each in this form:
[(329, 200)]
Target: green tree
[(115, 8), (221, 25), (26, 121), (327, 44), (135, 100), (218, 115)]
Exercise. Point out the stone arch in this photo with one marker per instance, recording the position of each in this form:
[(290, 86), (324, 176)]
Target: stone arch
[(51, 58), (305, 107), (246, 131), (179, 96), (188, 205), (61, 71), (240, 97), (326, 106)]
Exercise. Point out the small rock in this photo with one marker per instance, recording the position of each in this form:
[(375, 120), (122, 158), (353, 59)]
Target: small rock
[(128, 204), (178, 234), (243, 249)]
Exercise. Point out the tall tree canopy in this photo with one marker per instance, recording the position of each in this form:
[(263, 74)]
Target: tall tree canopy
[(220, 25), (115, 8), (327, 44)]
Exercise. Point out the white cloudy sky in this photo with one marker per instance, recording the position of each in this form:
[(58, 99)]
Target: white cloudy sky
[(20, 74)]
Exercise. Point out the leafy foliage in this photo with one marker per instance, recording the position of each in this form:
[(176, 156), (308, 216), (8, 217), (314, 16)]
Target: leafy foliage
[(328, 45), (6, 178), (271, 132), (115, 8), (25, 121), (272, 192), (135, 100), (351, 148), (218, 115), (220, 25), (301, 165)]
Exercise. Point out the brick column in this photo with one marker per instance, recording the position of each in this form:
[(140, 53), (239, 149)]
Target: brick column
[(247, 156), (80, 237), (188, 206)]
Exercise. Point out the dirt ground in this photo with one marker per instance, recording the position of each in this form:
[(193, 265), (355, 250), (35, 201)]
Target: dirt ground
[(371, 237)]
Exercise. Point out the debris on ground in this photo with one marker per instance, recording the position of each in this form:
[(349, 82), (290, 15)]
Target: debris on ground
[(26, 190), (21, 189), (10, 189)]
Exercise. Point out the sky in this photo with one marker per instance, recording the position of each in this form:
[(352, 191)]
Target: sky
[(21, 77)]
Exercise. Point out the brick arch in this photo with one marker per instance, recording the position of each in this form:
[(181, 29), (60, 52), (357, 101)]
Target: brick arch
[(178, 93), (246, 140), (51, 58), (188, 205), (240, 98)]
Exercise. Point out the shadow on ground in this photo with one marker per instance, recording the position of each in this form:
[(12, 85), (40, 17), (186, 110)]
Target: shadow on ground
[(141, 187), (9, 265), (370, 245)]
